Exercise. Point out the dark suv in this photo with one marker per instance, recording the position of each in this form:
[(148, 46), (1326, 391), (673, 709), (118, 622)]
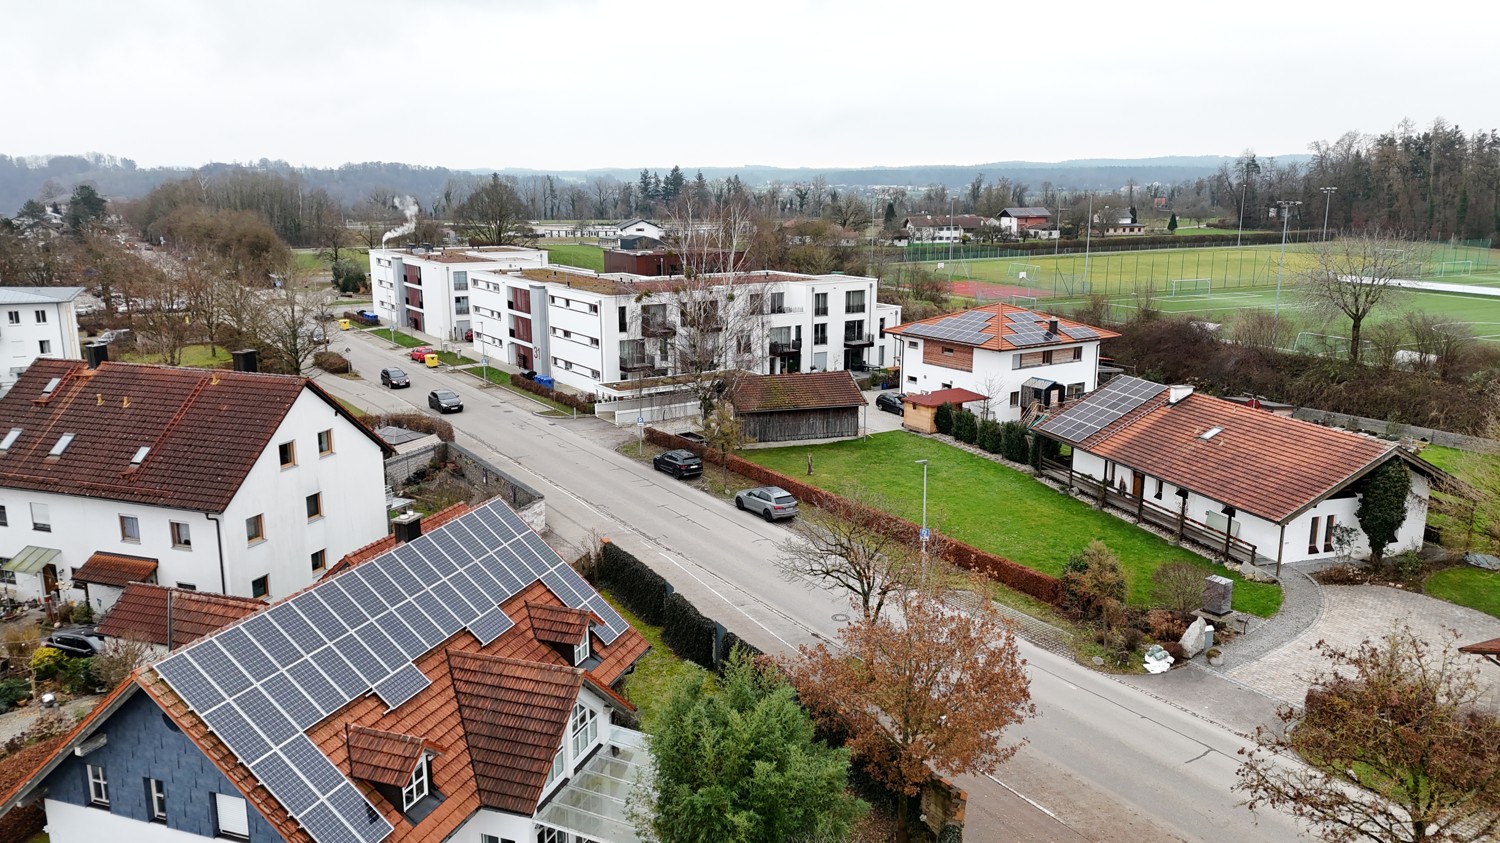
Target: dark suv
[(891, 402), (79, 642), (445, 401), (679, 463), (394, 378)]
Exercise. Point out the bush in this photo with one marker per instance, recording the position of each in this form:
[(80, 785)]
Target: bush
[(1092, 583), (76, 676), (582, 405), (943, 419), (1165, 626), (83, 612), (1406, 566), (331, 362), (989, 436), (1013, 445), (965, 426), (46, 662), (1178, 586), (12, 691)]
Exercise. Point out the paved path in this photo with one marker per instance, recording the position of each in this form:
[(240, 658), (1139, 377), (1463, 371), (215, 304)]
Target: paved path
[(18, 721)]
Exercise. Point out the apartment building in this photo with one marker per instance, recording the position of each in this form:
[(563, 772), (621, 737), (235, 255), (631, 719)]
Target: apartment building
[(38, 322), (427, 290)]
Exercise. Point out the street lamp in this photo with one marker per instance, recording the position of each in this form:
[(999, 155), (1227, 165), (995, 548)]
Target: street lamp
[(1328, 192), (1286, 205), (484, 358), (1239, 236), (1088, 231), (924, 533), (951, 238)]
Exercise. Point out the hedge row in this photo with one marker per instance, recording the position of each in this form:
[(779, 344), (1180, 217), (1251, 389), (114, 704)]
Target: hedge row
[(331, 362), (1035, 583), (583, 405)]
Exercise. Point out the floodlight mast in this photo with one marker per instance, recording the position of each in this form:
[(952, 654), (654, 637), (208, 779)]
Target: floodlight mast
[(1327, 192), (1285, 205)]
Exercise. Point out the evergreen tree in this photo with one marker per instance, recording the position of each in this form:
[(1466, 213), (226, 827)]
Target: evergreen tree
[(890, 214), (1382, 505), (1172, 223), (672, 187)]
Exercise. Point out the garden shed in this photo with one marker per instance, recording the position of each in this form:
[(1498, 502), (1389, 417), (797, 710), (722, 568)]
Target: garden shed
[(805, 405), (919, 412)]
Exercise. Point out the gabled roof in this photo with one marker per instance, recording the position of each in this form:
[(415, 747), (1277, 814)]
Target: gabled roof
[(557, 624), (1489, 649), (38, 295), (1270, 466), (115, 569), (204, 430), (1001, 327), (797, 391), (1025, 212), (382, 757), (964, 221), (143, 611)]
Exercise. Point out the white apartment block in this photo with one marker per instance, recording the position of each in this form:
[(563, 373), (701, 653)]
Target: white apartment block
[(36, 322), (427, 290)]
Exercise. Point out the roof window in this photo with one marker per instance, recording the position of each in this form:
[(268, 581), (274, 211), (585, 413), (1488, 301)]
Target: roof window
[(140, 455), (10, 439), (1211, 433), (51, 385), (62, 444)]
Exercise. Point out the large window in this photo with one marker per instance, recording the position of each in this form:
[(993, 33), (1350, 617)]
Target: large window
[(854, 301), (230, 817), (98, 786), (820, 304), (130, 529), (559, 764), (41, 521), (820, 332), (418, 787), (585, 729), (460, 280), (41, 317)]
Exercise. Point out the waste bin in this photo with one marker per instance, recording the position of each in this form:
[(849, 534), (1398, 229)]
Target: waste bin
[(343, 324), (432, 361), (545, 380)]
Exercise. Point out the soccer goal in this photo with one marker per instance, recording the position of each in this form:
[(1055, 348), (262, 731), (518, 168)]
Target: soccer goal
[(1028, 302), (1068, 286), (1023, 271), (1326, 345), (1191, 287), (1454, 269)]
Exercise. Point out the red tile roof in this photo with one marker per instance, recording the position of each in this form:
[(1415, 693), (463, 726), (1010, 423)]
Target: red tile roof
[(382, 757), (115, 569), (515, 714), (143, 611), (1267, 465), (557, 624), (798, 391), (205, 430), (999, 329), (943, 396), (1489, 648)]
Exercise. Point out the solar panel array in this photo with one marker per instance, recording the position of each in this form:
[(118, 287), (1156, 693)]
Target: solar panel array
[(1118, 397), (968, 328), (262, 683)]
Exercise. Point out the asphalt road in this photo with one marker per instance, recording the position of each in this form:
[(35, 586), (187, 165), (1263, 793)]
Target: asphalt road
[(1103, 762)]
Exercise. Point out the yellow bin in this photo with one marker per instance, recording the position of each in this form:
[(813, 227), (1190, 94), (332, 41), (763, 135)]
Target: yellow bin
[(432, 361), (343, 324)]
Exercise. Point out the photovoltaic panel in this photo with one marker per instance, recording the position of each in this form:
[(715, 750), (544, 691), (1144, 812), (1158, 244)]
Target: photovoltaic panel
[(426, 630), (491, 625), (471, 592), (509, 579), (237, 643), (298, 705), (449, 596), (433, 606), (189, 682), (541, 556), (493, 591), (214, 662), (503, 520), (489, 533), (339, 672), (614, 625), (359, 656), (352, 807), (402, 686), (473, 546), (234, 729), (394, 625), (305, 758), (409, 581), (294, 625), (383, 585), (449, 545), (1104, 407), (258, 708), (413, 561), (323, 619), (294, 793), (316, 686), (341, 603), (323, 823), (1082, 332), (555, 583)]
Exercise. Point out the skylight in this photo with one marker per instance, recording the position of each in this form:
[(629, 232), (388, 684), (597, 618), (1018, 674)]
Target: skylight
[(140, 455), (62, 444), (1211, 433), (51, 385), (10, 439)]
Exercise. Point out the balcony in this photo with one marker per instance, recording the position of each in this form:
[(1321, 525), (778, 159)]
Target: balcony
[(773, 309), (657, 328), (859, 340), (790, 348), (639, 363), (854, 308)]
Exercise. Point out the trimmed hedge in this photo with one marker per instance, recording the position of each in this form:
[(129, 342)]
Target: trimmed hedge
[(1019, 577), (331, 362), (642, 590), (420, 422), (1012, 439), (687, 632), (943, 419), (965, 426), (583, 405)]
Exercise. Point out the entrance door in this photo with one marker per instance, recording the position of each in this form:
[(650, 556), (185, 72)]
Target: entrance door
[(49, 579), (1137, 485)]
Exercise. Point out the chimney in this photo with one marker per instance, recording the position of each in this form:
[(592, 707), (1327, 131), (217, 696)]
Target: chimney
[(1177, 392), (245, 360), (96, 353), (1051, 326), (408, 526)]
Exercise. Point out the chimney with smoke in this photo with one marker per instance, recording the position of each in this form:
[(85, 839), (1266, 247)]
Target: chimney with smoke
[(408, 206)]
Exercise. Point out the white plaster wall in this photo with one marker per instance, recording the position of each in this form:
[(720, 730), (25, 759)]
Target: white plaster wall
[(998, 366), (497, 824), (68, 823), (20, 344)]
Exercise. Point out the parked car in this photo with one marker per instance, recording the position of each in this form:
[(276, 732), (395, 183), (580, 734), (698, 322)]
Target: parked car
[(679, 463), (772, 502), (445, 401), (420, 353), (891, 402), (394, 378), (83, 642)]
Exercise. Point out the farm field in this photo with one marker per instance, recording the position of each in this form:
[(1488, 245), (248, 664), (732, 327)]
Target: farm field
[(580, 255)]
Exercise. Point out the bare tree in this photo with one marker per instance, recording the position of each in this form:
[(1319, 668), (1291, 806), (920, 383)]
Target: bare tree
[(838, 548), (494, 214), (164, 323), (120, 657), (1354, 275), (294, 318)]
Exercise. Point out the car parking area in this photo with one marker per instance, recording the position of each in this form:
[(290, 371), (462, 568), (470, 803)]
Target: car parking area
[(878, 420)]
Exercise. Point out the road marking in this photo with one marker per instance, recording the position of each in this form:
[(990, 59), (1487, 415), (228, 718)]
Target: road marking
[(1027, 799)]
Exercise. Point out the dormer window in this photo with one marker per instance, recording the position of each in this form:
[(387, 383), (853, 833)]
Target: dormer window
[(10, 439), (419, 786), (581, 650), (62, 444)]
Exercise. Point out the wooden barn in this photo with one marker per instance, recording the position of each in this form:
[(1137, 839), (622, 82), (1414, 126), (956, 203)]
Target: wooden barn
[(806, 405)]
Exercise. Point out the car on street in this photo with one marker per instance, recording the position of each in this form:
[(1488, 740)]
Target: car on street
[(82, 642), (394, 378), (891, 402), (445, 401), (772, 502), (679, 463), (420, 353)]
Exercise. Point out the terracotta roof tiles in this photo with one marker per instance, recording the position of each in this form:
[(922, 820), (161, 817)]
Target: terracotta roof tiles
[(382, 757), (557, 624), (798, 391), (1000, 329), (115, 569), (142, 611), (943, 396)]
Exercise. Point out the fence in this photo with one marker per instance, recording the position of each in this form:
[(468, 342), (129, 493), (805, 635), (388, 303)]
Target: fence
[(487, 480), (1397, 430)]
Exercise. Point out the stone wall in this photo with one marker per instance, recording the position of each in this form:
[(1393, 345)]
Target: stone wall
[(1396, 429)]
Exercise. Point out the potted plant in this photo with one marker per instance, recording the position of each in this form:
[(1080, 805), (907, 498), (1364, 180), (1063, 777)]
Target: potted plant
[(1215, 656)]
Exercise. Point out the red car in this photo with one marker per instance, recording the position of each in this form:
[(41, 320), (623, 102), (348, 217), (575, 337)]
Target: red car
[(420, 353)]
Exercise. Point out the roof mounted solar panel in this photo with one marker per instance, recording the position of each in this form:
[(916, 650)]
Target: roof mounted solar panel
[(491, 625), (401, 686)]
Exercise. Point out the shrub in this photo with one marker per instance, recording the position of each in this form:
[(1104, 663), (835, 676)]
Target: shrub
[(1092, 583), (76, 676), (989, 436), (567, 399), (1178, 586), (118, 658), (46, 662), (943, 419), (1013, 444), (965, 426), (1165, 626), (1175, 650), (1406, 565), (12, 691), (331, 362)]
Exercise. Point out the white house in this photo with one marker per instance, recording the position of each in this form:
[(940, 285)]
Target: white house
[(586, 330), (945, 228), (39, 322), (1016, 357), (233, 482), (1278, 484), (427, 290)]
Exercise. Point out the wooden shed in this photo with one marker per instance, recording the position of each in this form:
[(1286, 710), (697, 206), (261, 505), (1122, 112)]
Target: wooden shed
[(806, 405), (919, 412)]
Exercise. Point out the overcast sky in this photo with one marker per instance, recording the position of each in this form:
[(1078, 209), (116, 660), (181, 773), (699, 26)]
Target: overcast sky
[(572, 84)]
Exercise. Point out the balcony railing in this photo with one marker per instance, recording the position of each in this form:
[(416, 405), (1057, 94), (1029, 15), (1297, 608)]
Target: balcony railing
[(657, 328), (772, 309), (858, 340), (638, 362), (786, 347), (821, 311), (854, 308)]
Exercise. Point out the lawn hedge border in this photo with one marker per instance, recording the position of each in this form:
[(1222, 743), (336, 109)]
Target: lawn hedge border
[(1042, 586)]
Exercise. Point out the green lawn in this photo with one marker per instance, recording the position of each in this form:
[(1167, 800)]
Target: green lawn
[(400, 338), (995, 508), (1442, 456), (580, 255), (649, 686), (1467, 586), (195, 356)]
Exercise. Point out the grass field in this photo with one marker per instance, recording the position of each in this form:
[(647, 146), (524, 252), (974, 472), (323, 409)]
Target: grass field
[(995, 508), (1467, 586), (195, 356), (580, 255)]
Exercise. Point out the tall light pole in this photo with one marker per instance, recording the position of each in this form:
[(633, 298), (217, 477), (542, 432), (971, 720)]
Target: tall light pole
[(1088, 231), (1286, 205), (924, 533), (1327, 192), (1241, 234), (951, 238)]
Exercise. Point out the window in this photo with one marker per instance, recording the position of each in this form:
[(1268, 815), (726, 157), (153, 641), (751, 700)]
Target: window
[(913, 379), (139, 456), (15, 317), (946, 386), (314, 505), (1015, 399), (7, 577), (40, 520), (10, 439), (1078, 353), (585, 729), (98, 786), (581, 651), (460, 280), (130, 529), (319, 560), (181, 536), (551, 835), (559, 764), (156, 797), (325, 442), (417, 788), (1312, 536), (854, 301), (230, 818), (820, 304), (1157, 495), (947, 351), (260, 586), (4, 519), (911, 343), (255, 529), (62, 444), (1109, 473), (288, 453), (820, 332), (41, 317), (1075, 390), (1328, 534), (44, 346), (187, 586)]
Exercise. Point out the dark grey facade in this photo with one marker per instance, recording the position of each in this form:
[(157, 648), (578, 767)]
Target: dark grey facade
[(791, 425), (145, 744)]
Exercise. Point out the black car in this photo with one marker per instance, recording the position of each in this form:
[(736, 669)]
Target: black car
[(679, 463), (394, 378), (445, 401), (80, 643), (891, 402)]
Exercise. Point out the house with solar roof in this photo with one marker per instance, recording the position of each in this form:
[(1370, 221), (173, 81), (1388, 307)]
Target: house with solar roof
[(457, 686), (1269, 488), (1018, 360), (234, 482)]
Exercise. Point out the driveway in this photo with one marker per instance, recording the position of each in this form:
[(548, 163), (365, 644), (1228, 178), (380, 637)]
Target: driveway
[(876, 419), (1353, 613)]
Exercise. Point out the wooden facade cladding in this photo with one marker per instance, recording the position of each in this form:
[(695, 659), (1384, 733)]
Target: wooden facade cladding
[(950, 356), (790, 425)]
